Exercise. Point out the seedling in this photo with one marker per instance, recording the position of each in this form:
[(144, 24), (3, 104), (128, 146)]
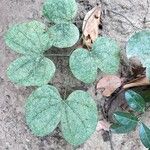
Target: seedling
[(45, 109), (34, 38), (77, 114)]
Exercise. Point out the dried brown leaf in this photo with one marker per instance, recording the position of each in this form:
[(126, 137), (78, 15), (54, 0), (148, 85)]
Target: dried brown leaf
[(109, 84), (90, 26), (138, 82)]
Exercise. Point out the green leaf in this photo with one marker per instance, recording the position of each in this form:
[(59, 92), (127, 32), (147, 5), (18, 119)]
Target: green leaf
[(79, 117), (43, 110), (28, 38), (107, 54), (145, 135), (139, 45), (59, 11), (135, 101), (117, 128), (64, 35), (31, 71), (78, 114), (83, 66), (144, 92), (126, 119), (126, 122)]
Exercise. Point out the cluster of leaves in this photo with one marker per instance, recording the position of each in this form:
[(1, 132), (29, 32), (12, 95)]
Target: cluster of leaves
[(77, 115), (44, 108), (139, 46), (105, 55), (34, 38), (127, 122)]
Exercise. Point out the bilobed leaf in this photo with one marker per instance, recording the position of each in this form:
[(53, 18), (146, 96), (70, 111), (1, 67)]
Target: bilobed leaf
[(117, 128), (107, 54), (79, 117), (83, 65), (59, 11), (139, 45), (43, 110), (31, 71), (145, 135), (135, 101), (78, 114), (104, 55), (126, 119), (28, 38), (64, 35)]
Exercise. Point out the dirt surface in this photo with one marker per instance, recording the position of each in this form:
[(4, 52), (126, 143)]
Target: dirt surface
[(119, 20)]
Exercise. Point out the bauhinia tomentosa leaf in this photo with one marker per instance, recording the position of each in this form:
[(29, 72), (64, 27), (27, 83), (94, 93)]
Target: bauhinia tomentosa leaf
[(31, 71), (104, 55), (145, 135), (28, 38), (43, 110), (83, 65), (64, 35), (135, 101), (139, 45), (77, 115), (107, 54), (126, 122), (59, 11)]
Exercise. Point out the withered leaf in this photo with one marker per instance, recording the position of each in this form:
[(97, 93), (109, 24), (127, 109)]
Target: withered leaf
[(138, 82), (108, 84), (90, 26)]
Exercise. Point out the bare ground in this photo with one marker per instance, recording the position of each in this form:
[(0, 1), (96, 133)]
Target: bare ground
[(119, 20)]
